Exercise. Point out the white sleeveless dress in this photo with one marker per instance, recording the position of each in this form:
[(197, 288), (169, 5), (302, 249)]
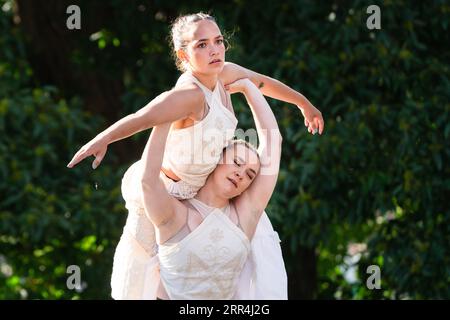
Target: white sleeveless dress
[(192, 153), (207, 263)]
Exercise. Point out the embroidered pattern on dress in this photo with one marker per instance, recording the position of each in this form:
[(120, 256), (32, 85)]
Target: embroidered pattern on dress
[(219, 276), (216, 235)]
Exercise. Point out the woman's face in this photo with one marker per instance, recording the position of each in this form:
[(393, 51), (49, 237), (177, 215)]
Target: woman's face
[(237, 170), (205, 52)]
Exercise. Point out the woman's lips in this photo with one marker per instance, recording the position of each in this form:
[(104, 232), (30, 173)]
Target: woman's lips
[(233, 182)]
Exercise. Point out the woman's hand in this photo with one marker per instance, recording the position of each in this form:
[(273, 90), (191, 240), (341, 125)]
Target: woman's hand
[(240, 85), (96, 147), (313, 118)]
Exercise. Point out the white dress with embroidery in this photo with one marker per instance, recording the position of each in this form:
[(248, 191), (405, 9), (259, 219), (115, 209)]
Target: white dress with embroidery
[(192, 154), (207, 262)]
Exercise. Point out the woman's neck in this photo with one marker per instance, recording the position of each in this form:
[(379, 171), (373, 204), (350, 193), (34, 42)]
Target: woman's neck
[(210, 198), (209, 81)]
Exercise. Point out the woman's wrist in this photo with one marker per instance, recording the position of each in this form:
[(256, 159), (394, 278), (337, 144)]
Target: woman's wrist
[(248, 85), (302, 103), (104, 138)]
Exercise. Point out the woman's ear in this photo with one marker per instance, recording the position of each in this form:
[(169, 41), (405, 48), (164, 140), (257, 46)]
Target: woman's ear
[(181, 54)]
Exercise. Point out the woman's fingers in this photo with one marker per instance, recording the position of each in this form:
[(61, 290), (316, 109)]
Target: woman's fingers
[(313, 126), (236, 86), (320, 125), (85, 151), (233, 87), (96, 148), (98, 158), (79, 156)]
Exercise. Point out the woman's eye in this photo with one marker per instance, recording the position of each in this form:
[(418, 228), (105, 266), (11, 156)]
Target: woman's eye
[(220, 41), (202, 45)]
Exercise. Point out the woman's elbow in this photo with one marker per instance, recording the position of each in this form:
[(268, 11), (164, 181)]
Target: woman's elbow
[(144, 185), (147, 182)]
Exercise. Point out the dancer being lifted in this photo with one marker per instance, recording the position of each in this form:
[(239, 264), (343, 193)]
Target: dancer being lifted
[(198, 102)]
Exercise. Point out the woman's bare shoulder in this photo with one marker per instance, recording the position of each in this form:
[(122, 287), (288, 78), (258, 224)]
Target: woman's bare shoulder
[(189, 94), (232, 72), (227, 73), (188, 88)]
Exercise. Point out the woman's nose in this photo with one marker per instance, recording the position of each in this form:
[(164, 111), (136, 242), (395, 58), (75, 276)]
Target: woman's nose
[(214, 50)]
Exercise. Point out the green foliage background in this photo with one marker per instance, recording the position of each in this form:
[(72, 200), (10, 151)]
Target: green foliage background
[(378, 177)]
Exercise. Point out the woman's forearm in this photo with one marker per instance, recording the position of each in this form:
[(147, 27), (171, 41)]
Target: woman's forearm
[(270, 87), (153, 154), (124, 128), (133, 123), (158, 204), (269, 135), (262, 113), (167, 107), (277, 90)]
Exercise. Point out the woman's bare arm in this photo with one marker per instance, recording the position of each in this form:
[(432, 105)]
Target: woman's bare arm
[(169, 106), (275, 89), (160, 207), (257, 196)]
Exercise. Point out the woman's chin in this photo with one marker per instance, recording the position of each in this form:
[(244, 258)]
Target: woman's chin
[(215, 68), (229, 192), (219, 68)]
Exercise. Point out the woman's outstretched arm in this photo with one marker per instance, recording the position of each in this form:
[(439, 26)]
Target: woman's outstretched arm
[(275, 89), (257, 196), (169, 106)]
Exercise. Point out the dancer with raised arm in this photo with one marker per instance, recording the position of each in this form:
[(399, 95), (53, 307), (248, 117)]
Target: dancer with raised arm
[(198, 103), (204, 242)]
